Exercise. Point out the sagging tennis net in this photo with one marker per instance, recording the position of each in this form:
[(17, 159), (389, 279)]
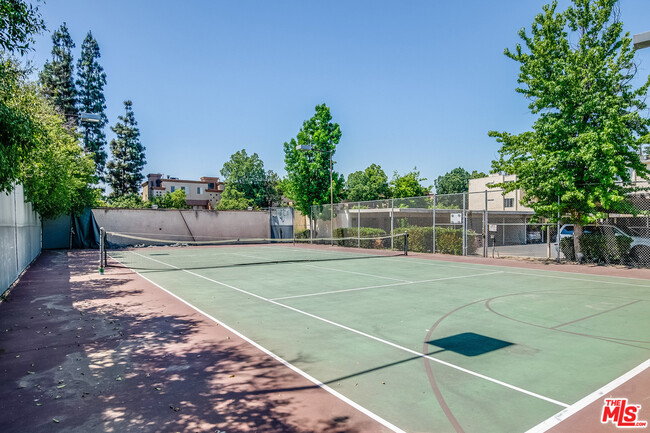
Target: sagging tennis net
[(145, 252)]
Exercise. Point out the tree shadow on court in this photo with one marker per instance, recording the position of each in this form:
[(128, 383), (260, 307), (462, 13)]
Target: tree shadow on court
[(85, 354)]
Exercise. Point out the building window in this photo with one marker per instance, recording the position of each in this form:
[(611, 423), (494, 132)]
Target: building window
[(198, 190), (508, 202), (211, 185), (173, 188), (182, 188)]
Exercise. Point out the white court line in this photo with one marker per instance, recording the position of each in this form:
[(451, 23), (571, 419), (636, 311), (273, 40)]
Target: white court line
[(580, 279), (321, 267), (372, 337), (328, 269), (384, 285), (581, 404), (276, 357), (359, 273), (542, 272)]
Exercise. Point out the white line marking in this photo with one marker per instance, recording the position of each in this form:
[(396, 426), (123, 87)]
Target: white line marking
[(383, 285), (324, 268), (279, 359), (581, 404), (372, 337), (542, 272), (579, 279), (358, 273)]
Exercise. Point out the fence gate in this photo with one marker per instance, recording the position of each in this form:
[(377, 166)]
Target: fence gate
[(281, 222)]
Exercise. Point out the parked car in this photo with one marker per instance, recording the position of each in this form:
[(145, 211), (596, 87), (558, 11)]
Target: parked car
[(639, 247), (533, 236)]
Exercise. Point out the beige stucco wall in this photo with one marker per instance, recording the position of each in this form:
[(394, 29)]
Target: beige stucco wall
[(173, 224), (495, 197)]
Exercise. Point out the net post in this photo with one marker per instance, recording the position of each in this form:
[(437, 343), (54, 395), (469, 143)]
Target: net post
[(102, 248), (406, 243)]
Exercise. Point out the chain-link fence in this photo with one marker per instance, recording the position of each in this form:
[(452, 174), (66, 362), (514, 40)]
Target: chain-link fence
[(489, 223)]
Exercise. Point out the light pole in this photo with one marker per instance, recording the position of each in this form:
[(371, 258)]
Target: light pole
[(641, 40), (308, 147), (88, 118)]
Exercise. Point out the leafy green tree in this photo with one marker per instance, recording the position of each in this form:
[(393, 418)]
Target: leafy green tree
[(576, 70), (172, 200), (272, 193), (125, 169), (19, 21), (408, 185), (57, 76), (233, 199), (456, 181), (129, 201), (38, 152), (370, 184), (308, 171), (477, 174), (246, 174), (91, 80), (17, 122)]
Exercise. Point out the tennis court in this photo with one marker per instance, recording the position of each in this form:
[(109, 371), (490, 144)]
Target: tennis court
[(419, 345)]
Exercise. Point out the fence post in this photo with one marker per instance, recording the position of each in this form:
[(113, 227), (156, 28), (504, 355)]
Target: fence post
[(311, 224), (485, 226), (464, 226), (392, 217), (359, 225), (433, 250), (558, 229)]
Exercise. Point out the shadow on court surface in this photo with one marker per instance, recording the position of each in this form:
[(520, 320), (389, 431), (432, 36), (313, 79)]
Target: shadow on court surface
[(82, 352), (470, 344)]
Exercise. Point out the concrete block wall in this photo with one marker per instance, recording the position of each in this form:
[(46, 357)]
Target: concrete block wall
[(185, 225)]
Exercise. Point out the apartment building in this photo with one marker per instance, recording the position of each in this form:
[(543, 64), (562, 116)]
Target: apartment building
[(497, 201), (481, 195), (200, 194)]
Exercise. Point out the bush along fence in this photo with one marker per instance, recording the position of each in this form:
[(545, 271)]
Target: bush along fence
[(485, 223)]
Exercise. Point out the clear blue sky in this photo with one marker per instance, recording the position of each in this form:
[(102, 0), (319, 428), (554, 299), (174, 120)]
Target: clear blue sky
[(411, 83)]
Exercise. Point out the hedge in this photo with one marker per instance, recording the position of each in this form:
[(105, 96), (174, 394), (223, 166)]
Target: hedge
[(598, 248), (364, 232), (448, 240)]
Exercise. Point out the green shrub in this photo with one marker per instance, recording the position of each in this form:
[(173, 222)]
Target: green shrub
[(448, 240), (566, 246), (302, 234), (598, 248), (363, 232), (420, 239)]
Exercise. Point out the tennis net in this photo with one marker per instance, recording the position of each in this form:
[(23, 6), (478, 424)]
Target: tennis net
[(141, 252)]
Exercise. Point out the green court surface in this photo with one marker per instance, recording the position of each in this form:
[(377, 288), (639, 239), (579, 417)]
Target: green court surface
[(421, 345)]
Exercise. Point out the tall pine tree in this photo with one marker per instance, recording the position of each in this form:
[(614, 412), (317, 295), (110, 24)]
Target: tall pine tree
[(57, 76), (91, 80), (125, 169)]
